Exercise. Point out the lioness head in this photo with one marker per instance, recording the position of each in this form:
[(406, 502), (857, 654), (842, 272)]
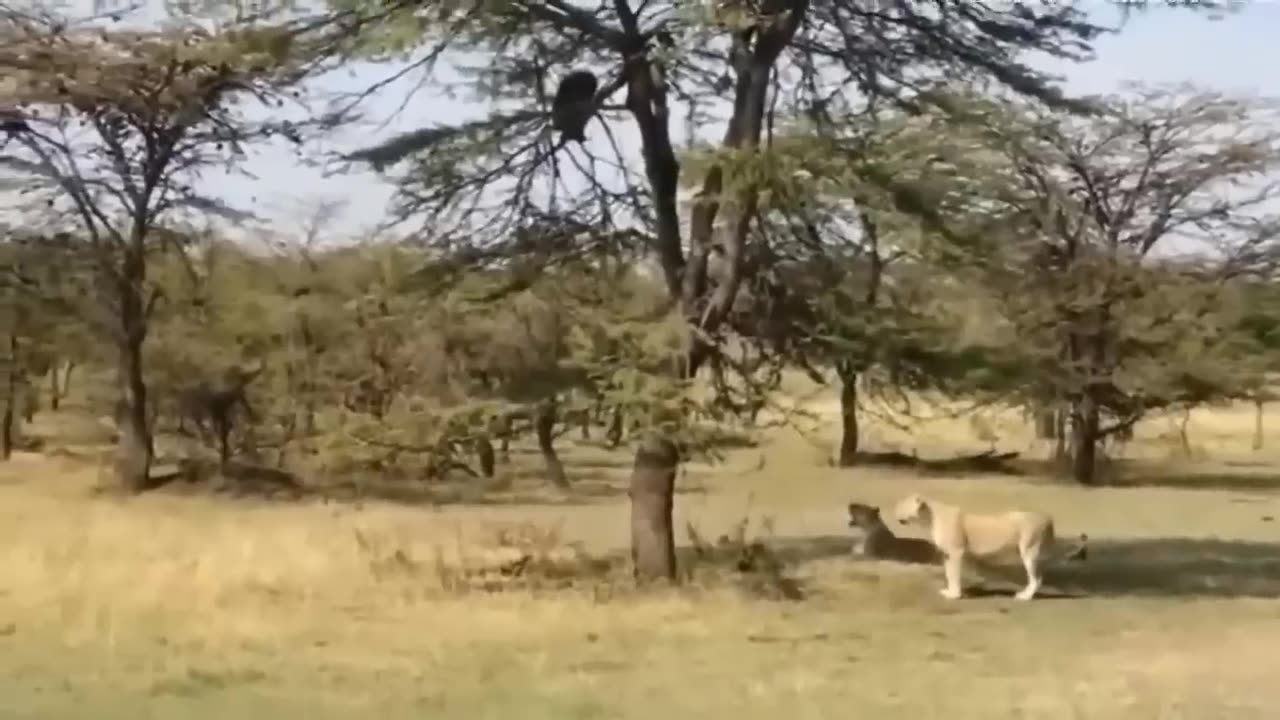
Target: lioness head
[(864, 516), (911, 509)]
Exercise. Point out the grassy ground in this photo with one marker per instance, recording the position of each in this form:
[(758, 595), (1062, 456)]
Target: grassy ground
[(169, 606)]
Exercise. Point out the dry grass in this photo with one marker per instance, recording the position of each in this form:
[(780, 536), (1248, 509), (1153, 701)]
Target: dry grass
[(188, 607)]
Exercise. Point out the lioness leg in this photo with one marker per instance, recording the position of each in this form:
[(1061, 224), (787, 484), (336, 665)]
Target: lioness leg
[(1030, 561), (953, 568)]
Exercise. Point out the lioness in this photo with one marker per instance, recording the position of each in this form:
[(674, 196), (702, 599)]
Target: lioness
[(877, 541), (959, 535)]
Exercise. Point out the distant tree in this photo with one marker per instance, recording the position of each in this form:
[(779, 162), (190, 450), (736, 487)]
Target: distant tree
[(1118, 233), (845, 282), (1258, 326), (115, 128)]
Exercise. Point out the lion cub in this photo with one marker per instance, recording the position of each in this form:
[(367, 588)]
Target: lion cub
[(961, 535), (877, 541)]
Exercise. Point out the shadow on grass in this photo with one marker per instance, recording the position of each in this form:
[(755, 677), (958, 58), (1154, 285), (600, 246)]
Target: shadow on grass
[(597, 463), (480, 493), (1176, 567), (513, 487), (1250, 477), (988, 462), (1146, 567), (797, 551), (1190, 480)]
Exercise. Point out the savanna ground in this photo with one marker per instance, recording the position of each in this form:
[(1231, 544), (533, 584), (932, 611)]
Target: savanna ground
[(170, 605)]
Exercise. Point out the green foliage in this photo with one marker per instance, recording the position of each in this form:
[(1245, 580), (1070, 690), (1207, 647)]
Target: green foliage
[(365, 371), (1088, 211)]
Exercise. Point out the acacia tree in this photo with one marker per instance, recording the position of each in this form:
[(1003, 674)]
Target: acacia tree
[(31, 306), (1258, 329), (110, 131), (1120, 230), (475, 181), (856, 295)]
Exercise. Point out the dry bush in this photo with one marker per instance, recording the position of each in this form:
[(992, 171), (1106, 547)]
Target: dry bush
[(506, 557), (742, 559), (502, 557)]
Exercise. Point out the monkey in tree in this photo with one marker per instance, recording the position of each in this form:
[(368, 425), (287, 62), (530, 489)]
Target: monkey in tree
[(574, 104), (12, 122)]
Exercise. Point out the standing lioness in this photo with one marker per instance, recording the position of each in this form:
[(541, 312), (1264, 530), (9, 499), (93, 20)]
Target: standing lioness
[(959, 534)]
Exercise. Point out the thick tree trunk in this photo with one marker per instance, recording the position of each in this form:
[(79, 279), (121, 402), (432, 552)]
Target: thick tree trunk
[(485, 455), (848, 420), (653, 476), (614, 434), (7, 434), (1257, 424), (7, 430), (653, 551), (54, 399), (1085, 424), (134, 450), (544, 427), (501, 427), (222, 427)]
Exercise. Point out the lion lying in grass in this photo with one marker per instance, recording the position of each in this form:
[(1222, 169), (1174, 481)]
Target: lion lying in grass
[(961, 535), (876, 541)]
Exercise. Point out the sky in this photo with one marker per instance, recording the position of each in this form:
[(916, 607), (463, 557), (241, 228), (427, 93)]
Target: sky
[(1237, 53)]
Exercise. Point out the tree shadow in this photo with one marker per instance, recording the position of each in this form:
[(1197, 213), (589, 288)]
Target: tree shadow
[(237, 480), (798, 551), (1176, 567), (987, 462), (581, 492), (1138, 567), (1259, 482), (597, 463)]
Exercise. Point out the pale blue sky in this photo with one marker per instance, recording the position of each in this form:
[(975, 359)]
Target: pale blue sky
[(1238, 53)]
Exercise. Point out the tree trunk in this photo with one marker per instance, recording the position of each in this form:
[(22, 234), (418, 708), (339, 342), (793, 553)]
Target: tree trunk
[(485, 455), (1257, 424), (134, 450), (1047, 423), (54, 400), (544, 426), (1060, 426), (58, 389), (10, 401), (614, 434), (1184, 435), (1085, 423), (222, 426), (848, 420), (65, 390), (30, 400), (653, 550), (6, 430)]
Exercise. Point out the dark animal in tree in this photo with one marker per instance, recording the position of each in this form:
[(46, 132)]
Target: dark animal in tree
[(574, 105), (12, 121), (216, 403)]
